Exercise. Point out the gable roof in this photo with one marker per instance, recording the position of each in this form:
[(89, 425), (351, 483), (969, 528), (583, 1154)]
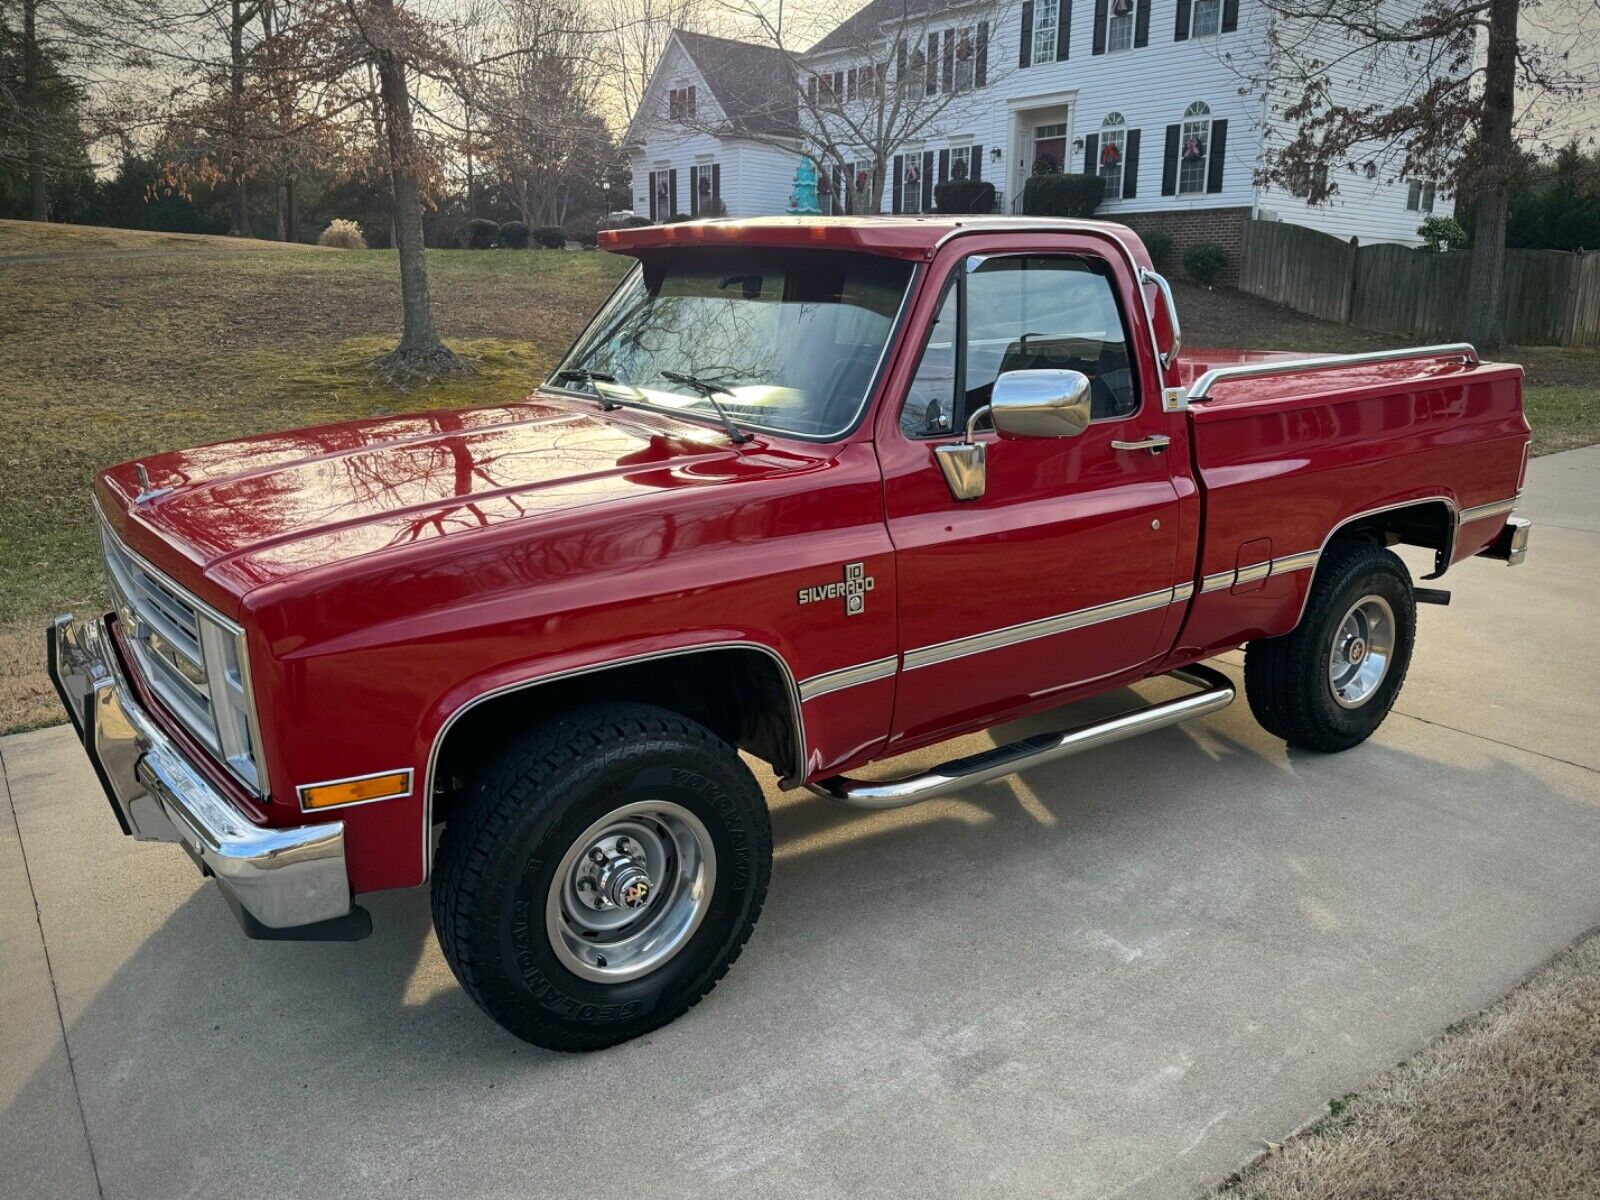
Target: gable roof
[(857, 30), (748, 82)]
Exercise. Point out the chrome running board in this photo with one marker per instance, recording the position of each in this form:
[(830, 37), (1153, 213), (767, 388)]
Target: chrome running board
[(954, 776)]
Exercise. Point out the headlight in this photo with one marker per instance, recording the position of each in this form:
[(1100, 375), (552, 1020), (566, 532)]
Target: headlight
[(228, 679)]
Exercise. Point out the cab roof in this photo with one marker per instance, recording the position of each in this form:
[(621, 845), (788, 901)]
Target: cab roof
[(897, 236)]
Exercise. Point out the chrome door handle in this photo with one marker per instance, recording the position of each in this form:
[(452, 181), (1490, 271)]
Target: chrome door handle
[(1155, 444)]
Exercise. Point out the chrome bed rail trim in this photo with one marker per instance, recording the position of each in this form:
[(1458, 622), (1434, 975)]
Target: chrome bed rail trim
[(1201, 390)]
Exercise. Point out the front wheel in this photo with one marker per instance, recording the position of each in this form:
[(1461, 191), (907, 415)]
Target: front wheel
[(1329, 683), (602, 875)]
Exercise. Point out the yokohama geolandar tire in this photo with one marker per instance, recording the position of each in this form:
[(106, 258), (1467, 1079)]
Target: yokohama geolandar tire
[(601, 875), (1332, 680)]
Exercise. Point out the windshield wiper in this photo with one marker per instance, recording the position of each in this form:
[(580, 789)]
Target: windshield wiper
[(585, 375), (708, 388)]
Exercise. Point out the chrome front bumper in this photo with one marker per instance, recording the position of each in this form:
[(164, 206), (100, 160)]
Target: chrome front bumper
[(277, 881)]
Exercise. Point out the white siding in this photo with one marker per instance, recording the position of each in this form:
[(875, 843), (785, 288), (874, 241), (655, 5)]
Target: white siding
[(1371, 208)]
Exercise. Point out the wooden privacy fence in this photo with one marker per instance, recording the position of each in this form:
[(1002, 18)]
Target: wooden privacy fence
[(1552, 297)]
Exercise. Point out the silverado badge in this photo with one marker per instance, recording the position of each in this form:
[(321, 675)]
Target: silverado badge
[(853, 588)]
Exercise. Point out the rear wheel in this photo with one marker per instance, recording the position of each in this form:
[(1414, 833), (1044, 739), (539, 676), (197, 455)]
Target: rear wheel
[(602, 875), (1329, 683)]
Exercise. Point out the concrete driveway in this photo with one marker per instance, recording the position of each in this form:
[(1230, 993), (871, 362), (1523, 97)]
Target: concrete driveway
[(1111, 977)]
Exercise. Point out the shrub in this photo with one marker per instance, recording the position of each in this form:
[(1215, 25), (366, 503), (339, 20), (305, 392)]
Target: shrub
[(675, 218), (964, 196), (1442, 233), (343, 235), (713, 206), (550, 237), (1062, 195), (582, 230), (514, 235), (1205, 262), (481, 233), (1160, 247)]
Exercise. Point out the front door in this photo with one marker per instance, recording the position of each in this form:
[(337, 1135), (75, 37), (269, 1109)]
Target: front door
[(1061, 575)]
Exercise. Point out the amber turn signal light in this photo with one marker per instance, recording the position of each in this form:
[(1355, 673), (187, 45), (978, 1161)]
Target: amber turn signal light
[(388, 786)]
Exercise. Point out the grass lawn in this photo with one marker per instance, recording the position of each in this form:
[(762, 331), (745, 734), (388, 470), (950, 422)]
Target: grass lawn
[(116, 343), (1504, 1106)]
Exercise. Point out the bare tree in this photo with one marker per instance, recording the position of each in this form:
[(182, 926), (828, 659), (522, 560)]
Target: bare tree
[(636, 32), (869, 88), (1471, 65)]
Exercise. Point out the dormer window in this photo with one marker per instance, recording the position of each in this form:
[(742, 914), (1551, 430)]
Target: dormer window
[(680, 103)]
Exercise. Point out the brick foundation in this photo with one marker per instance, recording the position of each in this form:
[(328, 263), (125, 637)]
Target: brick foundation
[(1186, 227)]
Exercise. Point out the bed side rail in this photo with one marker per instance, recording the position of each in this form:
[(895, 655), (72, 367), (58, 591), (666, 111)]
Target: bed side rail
[(1463, 352)]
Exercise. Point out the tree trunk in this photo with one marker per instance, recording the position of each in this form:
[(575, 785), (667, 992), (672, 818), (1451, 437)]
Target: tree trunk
[(33, 112), (292, 197), (1486, 283), (240, 220), (420, 354)]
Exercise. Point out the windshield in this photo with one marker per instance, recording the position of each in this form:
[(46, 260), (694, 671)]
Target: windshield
[(787, 340)]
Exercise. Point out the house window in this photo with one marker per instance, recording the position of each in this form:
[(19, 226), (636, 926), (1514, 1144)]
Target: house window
[(1194, 145), (1119, 25), (1113, 145), (966, 57), (1419, 198), (680, 104), (911, 183), (1045, 17), (912, 70), (1206, 18), (960, 162)]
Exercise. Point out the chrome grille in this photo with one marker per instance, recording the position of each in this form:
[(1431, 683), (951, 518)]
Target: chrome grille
[(190, 657)]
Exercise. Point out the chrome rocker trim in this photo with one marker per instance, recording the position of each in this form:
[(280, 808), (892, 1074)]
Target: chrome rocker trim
[(285, 882), (962, 773)]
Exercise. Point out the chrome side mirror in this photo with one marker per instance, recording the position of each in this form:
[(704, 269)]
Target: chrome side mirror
[(1040, 404), (1021, 404)]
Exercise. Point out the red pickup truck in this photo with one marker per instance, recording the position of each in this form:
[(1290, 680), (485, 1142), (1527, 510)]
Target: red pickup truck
[(820, 491)]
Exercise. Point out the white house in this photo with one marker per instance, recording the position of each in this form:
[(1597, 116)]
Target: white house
[(1162, 97)]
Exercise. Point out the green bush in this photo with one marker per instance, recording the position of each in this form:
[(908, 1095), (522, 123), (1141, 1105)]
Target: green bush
[(551, 237), (964, 196), (1205, 262), (482, 234), (1160, 247), (675, 218), (1062, 195), (582, 230), (1442, 233), (514, 235)]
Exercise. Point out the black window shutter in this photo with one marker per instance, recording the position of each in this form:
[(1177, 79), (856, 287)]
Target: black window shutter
[(716, 181), (899, 181), (927, 180), (975, 163), (811, 91), (1230, 15), (1219, 148), (949, 60), (930, 70), (980, 69), (1169, 165), (1181, 32), (1130, 165), (900, 61), (1091, 159), (1063, 29), (672, 189), (1025, 53), (694, 191), (691, 100), (944, 165), (652, 196), (1141, 24), (1100, 7)]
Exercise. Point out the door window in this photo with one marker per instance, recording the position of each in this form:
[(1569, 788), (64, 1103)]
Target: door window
[(1023, 313)]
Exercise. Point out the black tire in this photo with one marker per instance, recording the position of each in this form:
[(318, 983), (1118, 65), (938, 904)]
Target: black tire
[(1286, 679), (503, 847)]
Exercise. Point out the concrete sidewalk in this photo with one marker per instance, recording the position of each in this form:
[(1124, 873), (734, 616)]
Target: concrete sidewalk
[(1111, 977)]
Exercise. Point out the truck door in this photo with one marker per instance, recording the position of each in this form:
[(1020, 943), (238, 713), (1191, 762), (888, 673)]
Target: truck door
[(1062, 572)]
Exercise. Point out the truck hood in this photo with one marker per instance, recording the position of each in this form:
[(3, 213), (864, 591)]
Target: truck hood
[(252, 511)]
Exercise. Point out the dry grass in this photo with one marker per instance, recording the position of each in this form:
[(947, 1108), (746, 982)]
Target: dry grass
[(115, 343), (1505, 1106)]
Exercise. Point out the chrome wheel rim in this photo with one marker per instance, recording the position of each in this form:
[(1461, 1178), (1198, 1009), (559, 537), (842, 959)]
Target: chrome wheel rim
[(1363, 645), (631, 891)]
